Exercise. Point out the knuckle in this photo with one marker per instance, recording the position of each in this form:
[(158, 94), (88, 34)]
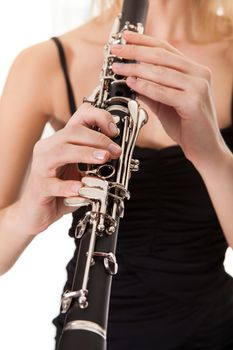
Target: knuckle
[(85, 111), (207, 73), (40, 154), (84, 108), (203, 87), (106, 115), (76, 119), (67, 129), (101, 119), (38, 147), (67, 134), (189, 101), (196, 101)]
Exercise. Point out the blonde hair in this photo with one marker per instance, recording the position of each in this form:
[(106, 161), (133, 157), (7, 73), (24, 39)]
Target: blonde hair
[(215, 27)]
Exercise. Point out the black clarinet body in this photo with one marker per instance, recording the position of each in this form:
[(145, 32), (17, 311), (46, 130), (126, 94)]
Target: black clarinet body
[(105, 187)]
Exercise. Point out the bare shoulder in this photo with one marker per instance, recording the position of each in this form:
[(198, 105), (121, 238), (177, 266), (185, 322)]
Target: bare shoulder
[(35, 54), (38, 71), (32, 69), (24, 110), (84, 52)]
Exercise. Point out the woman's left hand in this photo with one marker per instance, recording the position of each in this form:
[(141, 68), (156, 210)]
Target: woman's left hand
[(177, 90)]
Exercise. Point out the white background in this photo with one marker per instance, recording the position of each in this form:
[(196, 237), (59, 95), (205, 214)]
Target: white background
[(30, 291)]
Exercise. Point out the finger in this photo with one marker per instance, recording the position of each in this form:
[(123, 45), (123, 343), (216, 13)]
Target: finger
[(157, 74), (162, 57), (46, 165), (81, 135), (55, 187), (75, 154), (68, 154), (159, 93), (90, 116), (153, 105), (65, 209), (146, 40)]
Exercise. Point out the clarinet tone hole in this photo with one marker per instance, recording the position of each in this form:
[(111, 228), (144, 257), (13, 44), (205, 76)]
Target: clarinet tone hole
[(106, 171)]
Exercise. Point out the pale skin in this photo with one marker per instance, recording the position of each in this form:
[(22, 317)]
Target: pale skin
[(179, 81)]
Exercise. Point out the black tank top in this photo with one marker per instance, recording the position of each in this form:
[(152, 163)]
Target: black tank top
[(171, 291)]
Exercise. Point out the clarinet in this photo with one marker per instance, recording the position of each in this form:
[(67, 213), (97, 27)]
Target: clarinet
[(105, 187)]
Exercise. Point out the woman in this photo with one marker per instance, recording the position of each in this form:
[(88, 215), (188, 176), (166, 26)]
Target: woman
[(171, 291)]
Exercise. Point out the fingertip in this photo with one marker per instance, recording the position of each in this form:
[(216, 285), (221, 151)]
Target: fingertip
[(115, 149), (113, 128), (101, 155), (76, 187)]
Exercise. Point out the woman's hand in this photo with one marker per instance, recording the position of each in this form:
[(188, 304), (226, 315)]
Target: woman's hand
[(54, 174), (177, 90)]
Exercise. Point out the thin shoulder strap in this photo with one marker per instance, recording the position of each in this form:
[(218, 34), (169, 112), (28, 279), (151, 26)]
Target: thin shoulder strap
[(69, 89)]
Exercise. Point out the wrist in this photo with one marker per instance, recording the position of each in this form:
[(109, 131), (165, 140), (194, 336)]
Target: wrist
[(16, 218), (218, 162)]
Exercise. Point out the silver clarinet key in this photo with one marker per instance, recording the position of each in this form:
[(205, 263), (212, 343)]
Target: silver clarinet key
[(104, 191)]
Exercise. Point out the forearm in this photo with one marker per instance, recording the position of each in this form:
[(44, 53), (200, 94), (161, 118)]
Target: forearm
[(15, 235), (218, 178)]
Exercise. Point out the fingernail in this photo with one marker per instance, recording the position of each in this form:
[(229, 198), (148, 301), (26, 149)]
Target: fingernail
[(114, 148), (100, 155), (75, 188), (113, 128)]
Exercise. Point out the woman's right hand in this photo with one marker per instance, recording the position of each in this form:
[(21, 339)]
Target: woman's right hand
[(54, 174)]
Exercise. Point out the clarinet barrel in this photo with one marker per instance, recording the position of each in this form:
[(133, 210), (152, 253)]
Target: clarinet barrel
[(134, 12), (105, 188)]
